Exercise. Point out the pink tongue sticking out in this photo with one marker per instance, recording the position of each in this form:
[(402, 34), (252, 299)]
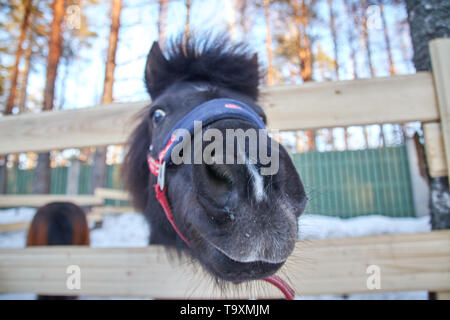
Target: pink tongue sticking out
[(284, 287)]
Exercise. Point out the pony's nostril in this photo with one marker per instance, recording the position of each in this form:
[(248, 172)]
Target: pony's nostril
[(215, 190)]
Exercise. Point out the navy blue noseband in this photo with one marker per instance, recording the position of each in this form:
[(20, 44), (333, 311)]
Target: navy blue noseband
[(208, 112)]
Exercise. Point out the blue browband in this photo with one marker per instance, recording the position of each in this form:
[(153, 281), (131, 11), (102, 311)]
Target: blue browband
[(209, 112)]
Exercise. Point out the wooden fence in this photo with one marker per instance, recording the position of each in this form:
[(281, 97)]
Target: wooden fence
[(406, 262)]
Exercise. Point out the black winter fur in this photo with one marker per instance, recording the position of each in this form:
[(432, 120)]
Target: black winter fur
[(211, 59)]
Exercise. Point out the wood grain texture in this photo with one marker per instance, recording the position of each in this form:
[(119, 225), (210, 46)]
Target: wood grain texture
[(15, 226), (53, 130), (407, 262), (394, 99), (112, 210), (445, 295), (113, 194), (435, 150), (440, 53), (37, 200)]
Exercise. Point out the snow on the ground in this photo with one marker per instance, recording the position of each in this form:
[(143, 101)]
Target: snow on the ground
[(121, 230), (131, 230), (323, 227), (16, 215)]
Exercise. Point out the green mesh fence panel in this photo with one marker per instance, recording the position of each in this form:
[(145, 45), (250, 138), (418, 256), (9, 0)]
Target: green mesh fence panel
[(339, 183), (354, 183)]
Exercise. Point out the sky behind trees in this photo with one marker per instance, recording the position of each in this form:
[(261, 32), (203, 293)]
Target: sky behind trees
[(86, 29), (83, 75)]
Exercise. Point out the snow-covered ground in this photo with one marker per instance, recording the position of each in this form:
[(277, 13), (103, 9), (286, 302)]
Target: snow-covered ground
[(131, 230)]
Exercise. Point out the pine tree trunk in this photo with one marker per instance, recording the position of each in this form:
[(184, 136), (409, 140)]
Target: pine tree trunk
[(3, 174), (298, 142), (311, 136), (42, 176), (26, 69), (54, 53), (351, 15), (387, 41), (99, 169), (334, 37), (366, 137), (187, 23), (24, 77), (231, 11), (305, 54), (430, 19), (382, 137), (15, 72), (366, 38), (336, 62), (243, 20), (351, 39), (270, 75), (331, 139), (42, 172), (304, 47), (346, 137), (107, 96), (162, 22)]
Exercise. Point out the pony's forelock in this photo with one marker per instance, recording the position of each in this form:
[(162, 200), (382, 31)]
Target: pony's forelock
[(207, 58)]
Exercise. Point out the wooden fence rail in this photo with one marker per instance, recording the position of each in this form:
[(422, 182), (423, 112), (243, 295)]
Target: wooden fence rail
[(395, 99), (37, 200), (334, 266), (96, 202)]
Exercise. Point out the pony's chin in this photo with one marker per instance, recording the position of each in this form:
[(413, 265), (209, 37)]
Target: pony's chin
[(223, 267)]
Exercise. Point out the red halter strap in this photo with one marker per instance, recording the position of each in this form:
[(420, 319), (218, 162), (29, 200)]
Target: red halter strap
[(158, 168)]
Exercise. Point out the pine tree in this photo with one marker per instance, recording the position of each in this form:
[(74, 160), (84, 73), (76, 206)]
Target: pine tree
[(365, 38), (334, 37), (304, 48), (99, 170), (270, 73), (162, 22), (387, 40), (23, 32), (188, 5), (42, 172)]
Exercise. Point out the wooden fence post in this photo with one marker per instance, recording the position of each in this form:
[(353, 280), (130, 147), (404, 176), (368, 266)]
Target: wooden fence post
[(73, 174), (440, 204), (434, 149), (440, 53)]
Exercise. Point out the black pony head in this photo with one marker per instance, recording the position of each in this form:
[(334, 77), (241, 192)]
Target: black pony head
[(241, 225)]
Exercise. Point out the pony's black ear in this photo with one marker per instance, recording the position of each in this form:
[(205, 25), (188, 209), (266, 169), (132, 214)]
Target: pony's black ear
[(156, 71)]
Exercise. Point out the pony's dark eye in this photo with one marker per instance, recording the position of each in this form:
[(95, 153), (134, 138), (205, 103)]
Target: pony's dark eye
[(158, 115)]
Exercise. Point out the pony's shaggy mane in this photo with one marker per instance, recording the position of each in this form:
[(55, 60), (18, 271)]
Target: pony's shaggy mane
[(213, 59)]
